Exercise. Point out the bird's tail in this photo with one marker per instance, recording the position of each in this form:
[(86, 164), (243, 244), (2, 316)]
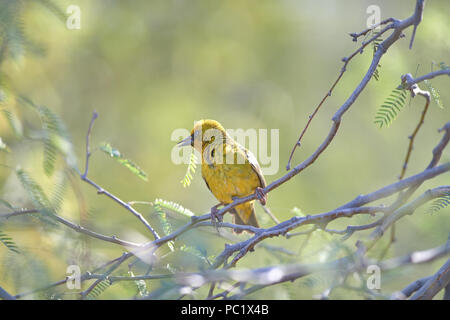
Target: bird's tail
[(244, 214)]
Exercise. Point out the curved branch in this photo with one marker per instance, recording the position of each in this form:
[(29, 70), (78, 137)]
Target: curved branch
[(100, 190), (77, 228)]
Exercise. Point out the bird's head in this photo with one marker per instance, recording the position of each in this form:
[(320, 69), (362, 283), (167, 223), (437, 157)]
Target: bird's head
[(204, 132)]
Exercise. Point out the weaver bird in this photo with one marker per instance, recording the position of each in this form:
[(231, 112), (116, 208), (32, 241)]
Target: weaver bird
[(229, 170)]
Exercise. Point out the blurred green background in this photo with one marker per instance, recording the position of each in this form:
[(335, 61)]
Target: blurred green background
[(150, 67)]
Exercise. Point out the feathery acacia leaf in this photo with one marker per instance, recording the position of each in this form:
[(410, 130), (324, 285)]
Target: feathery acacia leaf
[(167, 227), (190, 170), (99, 289), (173, 206), (439, 203), (37, 196), (115, 154), (55, 137), (375, 45), (13, 122), (443, 66), (55, 9), (390, 108), (59, 190), (8, 242), (141, 285), (434, 94), (34, 190)]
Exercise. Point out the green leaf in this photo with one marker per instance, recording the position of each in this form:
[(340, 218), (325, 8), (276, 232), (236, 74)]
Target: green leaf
[(37, 196), (198, 252), (434, 94), (98, 289), (8, 242), (167, 227), (140, 284), (57, 196), (114, 153), (390, 108), (175, 207), (375, 45), (439, 203), (190, 170), (55, 137), (13, 122), (55, 9), (443, 66)]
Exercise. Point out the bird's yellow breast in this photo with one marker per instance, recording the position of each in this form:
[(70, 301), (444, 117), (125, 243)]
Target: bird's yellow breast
[(230, 180)]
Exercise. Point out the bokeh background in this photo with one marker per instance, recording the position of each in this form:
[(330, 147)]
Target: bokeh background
[(150, 67)]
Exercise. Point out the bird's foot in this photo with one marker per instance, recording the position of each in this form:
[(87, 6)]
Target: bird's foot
[(215, 217), (261, 195)]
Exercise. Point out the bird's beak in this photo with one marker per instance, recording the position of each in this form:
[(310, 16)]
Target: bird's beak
[(185, 142)]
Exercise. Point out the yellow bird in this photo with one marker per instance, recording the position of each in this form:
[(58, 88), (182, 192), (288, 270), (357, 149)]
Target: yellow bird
[(229, 170)]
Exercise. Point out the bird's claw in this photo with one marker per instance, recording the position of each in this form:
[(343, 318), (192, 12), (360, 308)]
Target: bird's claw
[(261, 195)]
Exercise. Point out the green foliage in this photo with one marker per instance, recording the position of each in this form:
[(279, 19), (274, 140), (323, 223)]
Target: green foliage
[(54, 135), (443, 66), (190, 171), (55, 9), (439, 203), (37, 196), (59, 190), (115, 154), (13, 122), (14, 40), (390, 108), (199, 253), (434, 94), (141, 285), (175, 207), (8, 242), (34, 190), (375, 45), (167, 228), (12, 31), (99, 289)]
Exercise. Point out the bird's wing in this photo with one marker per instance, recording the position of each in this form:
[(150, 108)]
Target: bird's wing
[(254, 164)]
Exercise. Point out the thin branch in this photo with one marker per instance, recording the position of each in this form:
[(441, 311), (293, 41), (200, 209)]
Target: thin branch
[(397, 26), (411, 80), (100, 190), (355, 36), (5, 295), (405, 210), (346, 61), (419, 8), (410, 289), (268, 276), (435, 284), (77, 228), (415, 90)]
